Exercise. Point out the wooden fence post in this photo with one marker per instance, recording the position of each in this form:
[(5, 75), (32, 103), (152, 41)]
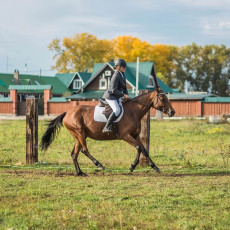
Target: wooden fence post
[(31, 130), (145, 132)]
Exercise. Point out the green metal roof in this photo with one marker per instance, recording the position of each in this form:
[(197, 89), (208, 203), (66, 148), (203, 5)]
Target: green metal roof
[(5, 99), (89, 94), (66, 78), (216, 99), (93, 94), (84, 76), (8, 79), (58, 99), (96, 68), (30, 87), (58, 86), (2, 83), (25, 81), (184, 96)]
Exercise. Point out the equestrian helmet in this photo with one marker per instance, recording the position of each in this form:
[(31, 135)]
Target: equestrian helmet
[(120, 62)]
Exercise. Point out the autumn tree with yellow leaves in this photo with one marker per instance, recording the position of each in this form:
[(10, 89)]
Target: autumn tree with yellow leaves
[(204, 68), (79, 52)]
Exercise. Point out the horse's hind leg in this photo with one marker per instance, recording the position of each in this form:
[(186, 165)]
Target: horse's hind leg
[(74, 155), (85, 150)]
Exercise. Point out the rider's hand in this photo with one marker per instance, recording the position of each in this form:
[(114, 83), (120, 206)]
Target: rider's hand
[(126, 96)]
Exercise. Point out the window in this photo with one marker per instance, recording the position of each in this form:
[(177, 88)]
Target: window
[(102, 83), (108, 73), (77, 84), (151, 82)]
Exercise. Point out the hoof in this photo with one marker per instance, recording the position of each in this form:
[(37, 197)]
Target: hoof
[(131, 169), (101, 168), (157, 170), (82, 174)]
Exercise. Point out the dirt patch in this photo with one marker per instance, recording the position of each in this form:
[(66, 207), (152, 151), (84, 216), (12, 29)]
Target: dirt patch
[(22, 172)]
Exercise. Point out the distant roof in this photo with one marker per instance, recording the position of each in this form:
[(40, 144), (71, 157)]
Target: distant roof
[(216, 99), (58, 99), (30, 88), (88, 94), (84, 76), (184, 96), (5, 99), (7, 79), (66, 78), (93, 94), (58, 86), (25, 81)]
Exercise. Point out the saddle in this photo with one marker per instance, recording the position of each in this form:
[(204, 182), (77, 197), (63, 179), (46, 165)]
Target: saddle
[(108, 110), (99, 112)]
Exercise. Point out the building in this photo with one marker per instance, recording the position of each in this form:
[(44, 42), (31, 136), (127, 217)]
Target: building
[(101, 77), (61, 92)]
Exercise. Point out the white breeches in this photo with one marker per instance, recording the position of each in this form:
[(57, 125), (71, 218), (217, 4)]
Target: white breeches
[(114, 105)]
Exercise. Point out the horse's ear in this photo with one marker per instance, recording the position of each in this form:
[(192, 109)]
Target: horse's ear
[(155, 79)]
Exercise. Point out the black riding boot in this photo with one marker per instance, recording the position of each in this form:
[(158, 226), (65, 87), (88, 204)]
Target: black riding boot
[(110, 121)]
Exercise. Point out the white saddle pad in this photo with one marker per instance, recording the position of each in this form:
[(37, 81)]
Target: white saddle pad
[(100, 117)]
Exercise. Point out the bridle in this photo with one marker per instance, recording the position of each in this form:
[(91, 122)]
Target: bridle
[(152, 104), (157, 97)]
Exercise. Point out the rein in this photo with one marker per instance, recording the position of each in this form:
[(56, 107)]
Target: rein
[(149, 105)]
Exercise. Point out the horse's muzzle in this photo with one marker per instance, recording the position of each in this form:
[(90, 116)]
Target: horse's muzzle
[(171, 112)]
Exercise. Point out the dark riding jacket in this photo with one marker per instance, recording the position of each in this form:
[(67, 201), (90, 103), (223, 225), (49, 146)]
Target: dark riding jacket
[(117, 88)]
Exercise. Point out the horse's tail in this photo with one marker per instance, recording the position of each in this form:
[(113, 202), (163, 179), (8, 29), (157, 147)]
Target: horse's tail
[(52, 130)]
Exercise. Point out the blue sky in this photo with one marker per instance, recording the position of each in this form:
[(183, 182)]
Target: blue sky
[(28, 26)]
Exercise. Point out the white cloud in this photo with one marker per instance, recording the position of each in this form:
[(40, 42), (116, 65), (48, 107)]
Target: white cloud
[(218, 27), (205, 4)]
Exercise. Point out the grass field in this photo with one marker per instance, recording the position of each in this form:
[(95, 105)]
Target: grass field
[(192, 192)]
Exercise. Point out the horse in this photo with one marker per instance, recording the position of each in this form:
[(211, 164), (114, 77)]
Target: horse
[(80, 123)]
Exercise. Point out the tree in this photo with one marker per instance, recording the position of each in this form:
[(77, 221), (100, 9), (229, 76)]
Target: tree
[(203, 68), (129, 48), (162, 57), (79, 52)]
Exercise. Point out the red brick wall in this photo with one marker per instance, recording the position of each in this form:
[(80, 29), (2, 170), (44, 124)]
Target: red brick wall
[(14, 98), (47, 96), (6, 107), (187, 108), (58, 107), (212, 109)]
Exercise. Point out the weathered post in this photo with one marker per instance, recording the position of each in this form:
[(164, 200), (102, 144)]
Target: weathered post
[(145, 132), (31, 130)]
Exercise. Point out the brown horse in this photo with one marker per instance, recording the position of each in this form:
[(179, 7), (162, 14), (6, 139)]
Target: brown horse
[(80, 123)]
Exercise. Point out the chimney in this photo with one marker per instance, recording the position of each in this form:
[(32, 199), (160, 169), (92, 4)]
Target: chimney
[(16, 76)]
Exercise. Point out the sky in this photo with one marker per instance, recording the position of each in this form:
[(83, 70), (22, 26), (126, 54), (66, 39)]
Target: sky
[(28, 26)]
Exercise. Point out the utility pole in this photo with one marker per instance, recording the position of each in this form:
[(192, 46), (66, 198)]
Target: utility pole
[(137, 76), (7, 64)]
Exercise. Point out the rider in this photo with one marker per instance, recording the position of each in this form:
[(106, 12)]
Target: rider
[(116, 90)]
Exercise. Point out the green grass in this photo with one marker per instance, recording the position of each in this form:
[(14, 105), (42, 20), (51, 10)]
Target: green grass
[(191, 193)]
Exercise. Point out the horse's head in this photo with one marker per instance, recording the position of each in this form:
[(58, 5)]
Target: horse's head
[(160, 102)]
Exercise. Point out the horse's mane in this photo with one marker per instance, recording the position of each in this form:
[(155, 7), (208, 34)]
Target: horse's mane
[(137, 97)]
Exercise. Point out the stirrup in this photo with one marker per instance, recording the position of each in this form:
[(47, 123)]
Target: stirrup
[(107, 130)]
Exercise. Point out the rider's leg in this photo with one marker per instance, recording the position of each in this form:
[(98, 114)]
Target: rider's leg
[(116, 111)]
